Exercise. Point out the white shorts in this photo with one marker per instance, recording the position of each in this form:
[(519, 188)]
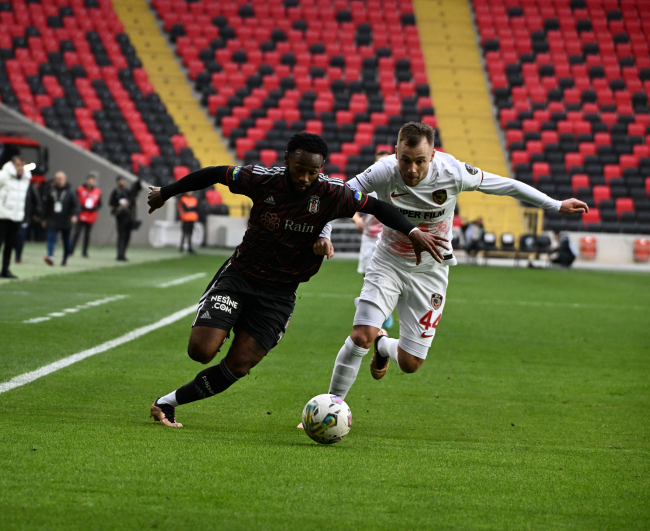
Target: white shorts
[(365, 254), (418, 296)]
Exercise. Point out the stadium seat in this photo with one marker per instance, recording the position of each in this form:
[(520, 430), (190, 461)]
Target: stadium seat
[(507, 242), (593, 216), (600, 193), (489, 241)]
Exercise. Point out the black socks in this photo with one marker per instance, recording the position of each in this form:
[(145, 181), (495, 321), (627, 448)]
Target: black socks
[(207, 383)]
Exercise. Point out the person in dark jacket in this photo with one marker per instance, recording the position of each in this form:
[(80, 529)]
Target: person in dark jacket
[(122, 202), (61, 211), (33, 215), (565, 253), (90, 201)]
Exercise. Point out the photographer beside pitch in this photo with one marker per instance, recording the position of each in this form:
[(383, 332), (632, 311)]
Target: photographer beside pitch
[(254, 292)]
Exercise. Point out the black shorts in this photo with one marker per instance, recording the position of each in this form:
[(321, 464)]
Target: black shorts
[(233, 303)]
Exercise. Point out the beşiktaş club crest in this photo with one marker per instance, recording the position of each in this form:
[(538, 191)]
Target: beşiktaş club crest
[(439, 196), (436, 301), (314, 204)]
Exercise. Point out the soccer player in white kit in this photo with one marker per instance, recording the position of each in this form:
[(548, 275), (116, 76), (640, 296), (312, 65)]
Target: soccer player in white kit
[(423, 185)]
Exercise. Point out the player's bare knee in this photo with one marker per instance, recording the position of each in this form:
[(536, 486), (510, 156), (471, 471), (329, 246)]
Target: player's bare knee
[(408, 366), (363, 336), (198, 352), (409, 363)]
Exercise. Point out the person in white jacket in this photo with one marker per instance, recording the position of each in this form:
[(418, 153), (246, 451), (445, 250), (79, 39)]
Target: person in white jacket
[(14, 182)]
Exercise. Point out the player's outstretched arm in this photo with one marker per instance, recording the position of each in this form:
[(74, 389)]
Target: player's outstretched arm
[(393, 218), (197, 180), (496, 185)]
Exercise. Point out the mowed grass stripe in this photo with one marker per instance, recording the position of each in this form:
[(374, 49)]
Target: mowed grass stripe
[(26, 378)]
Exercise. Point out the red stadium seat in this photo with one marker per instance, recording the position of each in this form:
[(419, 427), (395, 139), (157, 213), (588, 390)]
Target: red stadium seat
[(579, 181), (612, 171), (593, 216), (268, 156), (213, 197), (180, 172), (338, 159), (573, 159), (540, 168), (243, 145), (624, 204), (600, 193)]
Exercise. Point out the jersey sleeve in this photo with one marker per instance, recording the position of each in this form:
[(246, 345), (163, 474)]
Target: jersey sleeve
[(349, 201), (469, 178), (241, 179), (496, 185), (376, 177)]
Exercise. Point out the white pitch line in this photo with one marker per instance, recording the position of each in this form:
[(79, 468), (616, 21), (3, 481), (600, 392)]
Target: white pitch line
[(181, 280), (28, 377), (67, 311)]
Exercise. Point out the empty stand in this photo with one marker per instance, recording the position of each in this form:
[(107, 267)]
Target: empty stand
[(570, 80), (68, 65), (350, 71)]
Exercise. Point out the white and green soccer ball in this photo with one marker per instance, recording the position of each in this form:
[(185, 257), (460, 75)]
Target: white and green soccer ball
[(326, 419)]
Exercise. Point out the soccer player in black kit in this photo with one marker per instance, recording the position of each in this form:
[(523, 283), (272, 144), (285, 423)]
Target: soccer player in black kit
[(254, 292)]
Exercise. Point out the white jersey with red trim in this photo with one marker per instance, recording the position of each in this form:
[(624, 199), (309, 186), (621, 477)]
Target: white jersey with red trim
[(429, 205), (371, 226)]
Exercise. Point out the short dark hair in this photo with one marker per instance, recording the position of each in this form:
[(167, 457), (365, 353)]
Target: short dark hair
[(413, 132), (308, 142)]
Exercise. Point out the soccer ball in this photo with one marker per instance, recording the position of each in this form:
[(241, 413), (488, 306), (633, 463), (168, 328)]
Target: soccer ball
[(326, 419)]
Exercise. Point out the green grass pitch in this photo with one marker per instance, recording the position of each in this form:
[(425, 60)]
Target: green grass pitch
[(532, 411)]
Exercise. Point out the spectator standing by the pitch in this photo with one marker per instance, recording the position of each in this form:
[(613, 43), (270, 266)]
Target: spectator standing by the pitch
[(565, 253), (90, 201), (122, 202), (14, 183), (188, 212), (32, 219), (61, 211), (474, 236)]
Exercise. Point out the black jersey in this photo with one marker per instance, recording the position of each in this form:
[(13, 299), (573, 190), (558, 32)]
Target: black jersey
[(277, 249)]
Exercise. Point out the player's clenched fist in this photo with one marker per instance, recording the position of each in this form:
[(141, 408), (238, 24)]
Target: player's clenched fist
[(154, 199), (324, 247), (573, 206), (426, 241)]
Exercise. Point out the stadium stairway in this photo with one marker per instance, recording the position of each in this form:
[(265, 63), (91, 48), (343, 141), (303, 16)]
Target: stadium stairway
[(170, 83), (463, 106)]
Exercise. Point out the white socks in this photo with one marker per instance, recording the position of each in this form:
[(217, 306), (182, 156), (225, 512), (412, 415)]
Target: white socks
[(346, 368), (387, 347), (169, 399)]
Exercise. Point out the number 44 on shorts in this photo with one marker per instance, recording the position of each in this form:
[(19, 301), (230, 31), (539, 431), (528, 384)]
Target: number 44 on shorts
[(426, 322)]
